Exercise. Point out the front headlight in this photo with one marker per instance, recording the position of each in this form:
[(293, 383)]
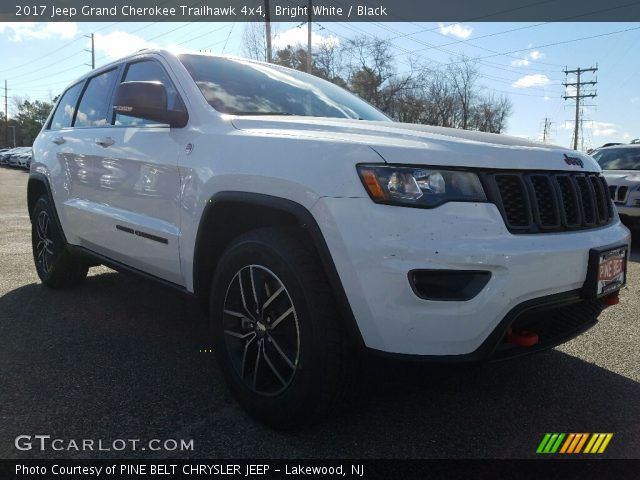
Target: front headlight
[(425, 187)]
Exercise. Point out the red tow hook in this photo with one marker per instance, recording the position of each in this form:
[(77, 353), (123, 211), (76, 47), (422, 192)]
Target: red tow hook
[(613, 299), (523, 338)]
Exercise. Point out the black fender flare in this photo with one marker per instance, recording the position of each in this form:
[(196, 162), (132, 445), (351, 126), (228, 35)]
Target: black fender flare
[(305, 221)]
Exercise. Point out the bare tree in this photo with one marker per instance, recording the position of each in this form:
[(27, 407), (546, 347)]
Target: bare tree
[(463, 76), (329, 63), (444, 96), (254, 44)]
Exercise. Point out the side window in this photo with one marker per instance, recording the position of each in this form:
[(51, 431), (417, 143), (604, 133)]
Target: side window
[(66, 106), (93, 109), (146, 71)]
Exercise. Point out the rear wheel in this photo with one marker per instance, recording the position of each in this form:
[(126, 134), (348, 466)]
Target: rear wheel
[(56, 266), (277, 335)]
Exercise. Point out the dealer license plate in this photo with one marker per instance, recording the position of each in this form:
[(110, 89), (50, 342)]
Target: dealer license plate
[(612, 270)]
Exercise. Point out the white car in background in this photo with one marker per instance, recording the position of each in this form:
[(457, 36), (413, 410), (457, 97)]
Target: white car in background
[(621, 167)]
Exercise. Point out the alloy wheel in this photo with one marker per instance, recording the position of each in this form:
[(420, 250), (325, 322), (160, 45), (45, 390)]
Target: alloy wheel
[(261, 330), (44, 247)]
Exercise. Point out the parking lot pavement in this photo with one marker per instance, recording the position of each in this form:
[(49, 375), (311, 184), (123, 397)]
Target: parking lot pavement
[(118, 358)]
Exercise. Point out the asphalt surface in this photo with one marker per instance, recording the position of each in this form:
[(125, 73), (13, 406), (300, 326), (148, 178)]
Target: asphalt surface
[(119, 358)]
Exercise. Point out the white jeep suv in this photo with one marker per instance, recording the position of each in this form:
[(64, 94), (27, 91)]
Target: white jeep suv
[(316, 231)]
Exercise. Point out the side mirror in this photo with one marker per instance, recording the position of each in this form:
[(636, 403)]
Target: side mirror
[(147, 100)]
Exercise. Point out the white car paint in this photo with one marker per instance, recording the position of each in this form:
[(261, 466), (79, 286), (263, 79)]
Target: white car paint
[(630, 205), (312, 161)]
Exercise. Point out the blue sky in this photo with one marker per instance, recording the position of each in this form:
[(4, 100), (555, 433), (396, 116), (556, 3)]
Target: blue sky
[(521, 60)]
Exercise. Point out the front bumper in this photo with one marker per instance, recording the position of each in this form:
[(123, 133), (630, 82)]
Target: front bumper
[(629, 211), (375, 246)]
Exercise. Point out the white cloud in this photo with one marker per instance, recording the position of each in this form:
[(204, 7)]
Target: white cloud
[(594, 124), (118, 44), (298, 36), (570, 90), (602, 129), (605, 132), (526, 60), (534, 80), (20, 31), (456, 30), (536, 55)]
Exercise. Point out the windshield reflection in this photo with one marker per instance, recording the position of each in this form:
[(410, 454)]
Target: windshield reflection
[(240, 87)]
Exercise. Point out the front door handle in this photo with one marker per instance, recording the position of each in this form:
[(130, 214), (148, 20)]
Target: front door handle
[(58, 140), (105, 142)]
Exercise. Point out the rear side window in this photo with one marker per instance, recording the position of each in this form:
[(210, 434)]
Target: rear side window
[(66, 106), (93, 110), (146, 71)]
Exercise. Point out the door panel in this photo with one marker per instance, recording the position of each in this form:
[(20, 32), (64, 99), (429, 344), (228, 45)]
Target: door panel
[(124, 197), (124, 181)]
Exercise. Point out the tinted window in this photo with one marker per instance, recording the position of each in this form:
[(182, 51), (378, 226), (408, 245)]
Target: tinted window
[(93, 108), (618, 158), (66, 106), (246, 88), (146, 71)]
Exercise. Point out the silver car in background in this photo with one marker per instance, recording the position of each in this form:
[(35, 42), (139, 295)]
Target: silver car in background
[(621, 167)]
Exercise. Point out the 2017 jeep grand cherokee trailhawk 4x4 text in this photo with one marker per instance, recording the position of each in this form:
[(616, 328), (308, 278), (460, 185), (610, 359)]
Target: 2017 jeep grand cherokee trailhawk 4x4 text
[(315, 229)]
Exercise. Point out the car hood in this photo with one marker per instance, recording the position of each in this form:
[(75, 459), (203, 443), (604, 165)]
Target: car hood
[(424, 144), (622, 177)]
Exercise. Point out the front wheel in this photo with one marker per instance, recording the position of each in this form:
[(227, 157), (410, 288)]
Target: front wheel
[(277, 336), (56, 266)]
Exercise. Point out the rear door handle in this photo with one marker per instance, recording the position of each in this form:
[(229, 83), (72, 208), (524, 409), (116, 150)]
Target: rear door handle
[(58, 140), (105, 142)]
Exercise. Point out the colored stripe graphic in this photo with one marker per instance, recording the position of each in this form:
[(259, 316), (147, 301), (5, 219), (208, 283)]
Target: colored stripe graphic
[(592, 440), (544, 441), (567, 443), (573, 443), (606, 441), (581, 442), (550, 443)]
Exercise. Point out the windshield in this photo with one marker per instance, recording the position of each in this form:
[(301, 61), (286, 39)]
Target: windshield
[(247, 88), (618, 158)]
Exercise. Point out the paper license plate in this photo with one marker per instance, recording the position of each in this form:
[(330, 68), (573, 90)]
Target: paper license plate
[(612, 270)]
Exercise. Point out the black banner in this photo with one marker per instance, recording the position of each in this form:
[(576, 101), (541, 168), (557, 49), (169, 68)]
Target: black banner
[(321, 10), (319, 469)]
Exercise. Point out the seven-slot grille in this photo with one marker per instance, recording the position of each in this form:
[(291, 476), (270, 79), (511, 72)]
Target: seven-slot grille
[(537, 202)]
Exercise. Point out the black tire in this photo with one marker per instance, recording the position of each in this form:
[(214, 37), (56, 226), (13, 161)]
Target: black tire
[(309, 382), (56, 266)]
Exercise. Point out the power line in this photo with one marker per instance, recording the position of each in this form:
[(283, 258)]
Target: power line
[(562, 42), (233, 24), (209, 32), (409, 52), (571, 17)]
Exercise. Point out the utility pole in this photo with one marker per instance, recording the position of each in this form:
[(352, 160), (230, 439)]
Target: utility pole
[(579, 83), (93, 51), (309, 13), (546, 133), (267, 27), (13, 127), (6, 116)]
